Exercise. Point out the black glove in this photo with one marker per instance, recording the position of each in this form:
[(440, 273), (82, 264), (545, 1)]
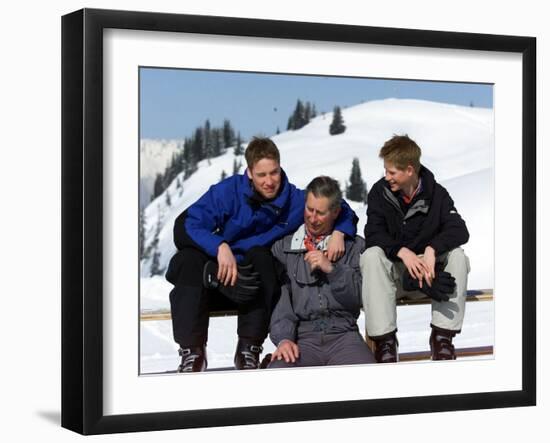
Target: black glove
[(442, 284), (246, 288)]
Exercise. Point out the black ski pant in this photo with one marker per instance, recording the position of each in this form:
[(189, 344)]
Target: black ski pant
[(190, 302)]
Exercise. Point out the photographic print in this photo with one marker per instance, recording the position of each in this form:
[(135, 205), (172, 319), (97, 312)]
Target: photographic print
[(158, 111), (196, 124)]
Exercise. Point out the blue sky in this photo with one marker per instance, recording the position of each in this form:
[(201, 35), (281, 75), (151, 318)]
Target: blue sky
[(173, 102)]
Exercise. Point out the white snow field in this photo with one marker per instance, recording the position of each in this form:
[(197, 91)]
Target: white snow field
[(457, 146)]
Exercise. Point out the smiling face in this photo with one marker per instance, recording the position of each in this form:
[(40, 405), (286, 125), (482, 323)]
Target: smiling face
[(266, 177), (318, 217), (399, 179)]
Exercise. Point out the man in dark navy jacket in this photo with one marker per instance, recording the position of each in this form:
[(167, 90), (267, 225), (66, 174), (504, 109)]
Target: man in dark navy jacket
[(413, 237), (224, 238)]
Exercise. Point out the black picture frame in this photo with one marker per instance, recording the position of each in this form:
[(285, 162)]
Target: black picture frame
[(82, 218)]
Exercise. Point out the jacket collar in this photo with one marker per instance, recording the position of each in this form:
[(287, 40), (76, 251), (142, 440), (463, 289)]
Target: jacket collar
[(255, 199), (297, 241), (428, 184), (420, 202)]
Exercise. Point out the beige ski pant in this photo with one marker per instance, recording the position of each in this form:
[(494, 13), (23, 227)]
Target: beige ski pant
[(382, 287)]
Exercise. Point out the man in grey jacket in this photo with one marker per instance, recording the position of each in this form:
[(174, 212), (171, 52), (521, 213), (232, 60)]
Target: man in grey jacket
[(315, 320)]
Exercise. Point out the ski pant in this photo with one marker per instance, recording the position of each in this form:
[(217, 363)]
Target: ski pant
[(321, 349), (190, 302), (382, 286)]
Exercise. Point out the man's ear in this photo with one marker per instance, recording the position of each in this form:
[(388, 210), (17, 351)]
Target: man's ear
[(248, 173), (337, 212), (410, 170)]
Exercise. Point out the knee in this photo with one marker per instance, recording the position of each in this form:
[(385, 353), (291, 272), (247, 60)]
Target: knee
[(458, 262), (372, 255), (278, 364), (458, 256), (188, 259)]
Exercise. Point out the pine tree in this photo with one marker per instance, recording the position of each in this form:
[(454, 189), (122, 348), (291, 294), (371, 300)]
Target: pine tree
[(197, 146), (301, 115), (337, 126), (307, 113), (171, 171), (207, 142), (216, 142), (223, 176), (356, 190), (290, 124), (179, 186), (158, 186), (190, 161), (299, 118), (236, 166), (141, 233), (238, 150), (167, 198), (228, 134), (155, 262)]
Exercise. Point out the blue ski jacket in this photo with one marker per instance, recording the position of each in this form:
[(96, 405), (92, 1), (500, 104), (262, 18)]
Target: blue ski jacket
[(232, 212)]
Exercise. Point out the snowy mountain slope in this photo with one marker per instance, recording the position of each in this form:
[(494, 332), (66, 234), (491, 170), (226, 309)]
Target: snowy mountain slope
[(473, 196), (155, 155), (457, 144)]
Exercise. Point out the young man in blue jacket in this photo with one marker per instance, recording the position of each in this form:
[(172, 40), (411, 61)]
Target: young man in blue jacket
[(413, 237), (224, 241)]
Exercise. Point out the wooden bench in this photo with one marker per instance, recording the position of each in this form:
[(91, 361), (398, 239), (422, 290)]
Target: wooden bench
[(219, 307), (471, 295), (226, 308)]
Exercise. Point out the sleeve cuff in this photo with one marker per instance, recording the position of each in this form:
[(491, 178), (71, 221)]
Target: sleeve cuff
[(213, 244), (437, 246), (392, 253)]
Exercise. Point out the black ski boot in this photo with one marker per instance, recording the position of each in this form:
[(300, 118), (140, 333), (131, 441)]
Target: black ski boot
[(441, 344), (247, 355), (193, 359), (387, 347)]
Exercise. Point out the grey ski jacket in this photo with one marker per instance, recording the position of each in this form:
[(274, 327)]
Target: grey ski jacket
[(315, 301)]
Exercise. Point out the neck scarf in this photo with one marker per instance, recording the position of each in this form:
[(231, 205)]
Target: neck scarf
[(311, 241)]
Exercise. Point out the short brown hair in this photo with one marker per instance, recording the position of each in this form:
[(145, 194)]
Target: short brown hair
[(327, 187), (260, 148), (401, 151)]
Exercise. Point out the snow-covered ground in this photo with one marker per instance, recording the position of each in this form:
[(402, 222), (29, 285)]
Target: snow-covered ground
[(457, 145), (159, 352)]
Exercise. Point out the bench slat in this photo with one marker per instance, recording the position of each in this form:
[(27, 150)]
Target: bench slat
[(460, 352), (472, 296)]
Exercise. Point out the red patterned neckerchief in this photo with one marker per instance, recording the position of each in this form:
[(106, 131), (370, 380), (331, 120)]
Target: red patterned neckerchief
[(311, 241)]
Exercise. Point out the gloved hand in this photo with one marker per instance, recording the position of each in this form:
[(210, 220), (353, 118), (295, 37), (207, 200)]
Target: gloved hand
[(442, 284), (246, 288)]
